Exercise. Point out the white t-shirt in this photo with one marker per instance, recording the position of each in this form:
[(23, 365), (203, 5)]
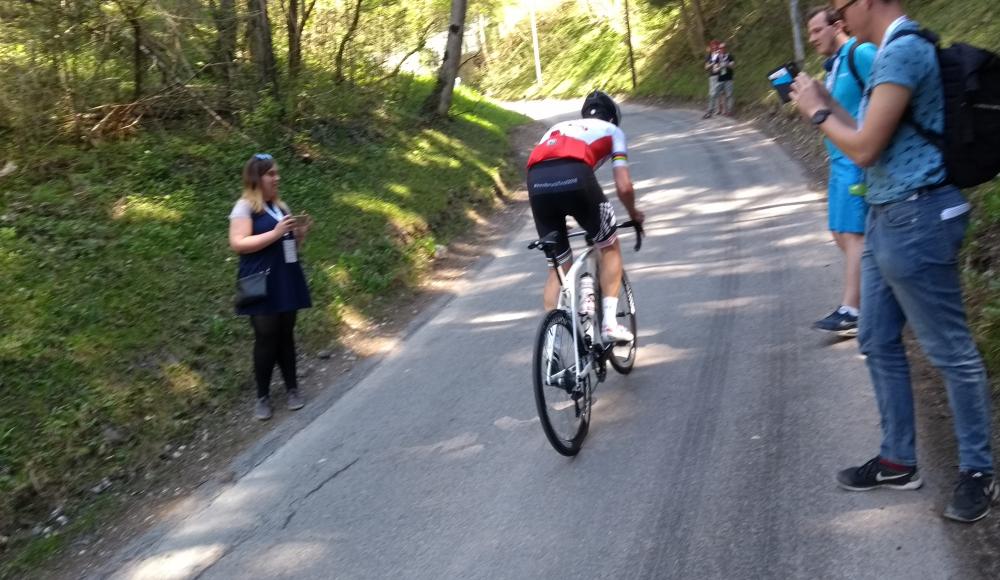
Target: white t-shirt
[(243, 209)]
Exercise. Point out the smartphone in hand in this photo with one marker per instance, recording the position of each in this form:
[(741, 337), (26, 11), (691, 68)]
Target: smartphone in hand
[(302, 222), (781, 79)]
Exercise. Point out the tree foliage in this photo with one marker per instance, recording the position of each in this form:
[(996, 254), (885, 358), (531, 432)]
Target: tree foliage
[(85, 70)]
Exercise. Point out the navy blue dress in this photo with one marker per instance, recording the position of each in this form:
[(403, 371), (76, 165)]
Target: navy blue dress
[(286, 284)]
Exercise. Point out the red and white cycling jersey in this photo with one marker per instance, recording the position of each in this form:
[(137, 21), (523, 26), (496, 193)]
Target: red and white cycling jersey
[(589, 140)]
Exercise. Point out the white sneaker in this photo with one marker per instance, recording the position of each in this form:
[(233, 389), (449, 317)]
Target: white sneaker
[(616, 333)]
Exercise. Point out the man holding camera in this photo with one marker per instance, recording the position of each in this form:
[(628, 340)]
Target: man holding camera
[(848, 65), (719, 64), (909, 269)]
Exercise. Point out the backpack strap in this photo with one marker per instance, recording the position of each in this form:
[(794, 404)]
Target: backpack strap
[(854, 67), (933, 137), (924, 33)]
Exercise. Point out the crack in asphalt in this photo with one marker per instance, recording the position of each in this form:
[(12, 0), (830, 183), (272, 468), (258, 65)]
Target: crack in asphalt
[(329, 478)]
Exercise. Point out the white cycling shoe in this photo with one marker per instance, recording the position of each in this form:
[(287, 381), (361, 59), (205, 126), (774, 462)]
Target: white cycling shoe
[(616, 333)]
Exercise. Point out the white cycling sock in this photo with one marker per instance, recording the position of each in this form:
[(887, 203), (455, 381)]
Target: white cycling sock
[(610, 311)]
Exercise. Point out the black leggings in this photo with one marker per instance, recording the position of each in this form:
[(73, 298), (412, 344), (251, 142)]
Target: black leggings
[(274, 342)]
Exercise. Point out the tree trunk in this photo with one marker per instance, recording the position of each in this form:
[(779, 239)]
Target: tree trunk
[(699, 20), (696, 39), (224, 16), (338, 73), (628, 41), (296, 25), (439, 101), (482, 38), (294, 39), (261, 45), (137, 60)]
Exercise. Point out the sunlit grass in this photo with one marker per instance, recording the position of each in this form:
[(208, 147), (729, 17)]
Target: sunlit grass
[(117, 277)]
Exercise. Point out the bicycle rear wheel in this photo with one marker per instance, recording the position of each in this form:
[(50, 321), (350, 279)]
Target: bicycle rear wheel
[(623, 355), (563, 403)]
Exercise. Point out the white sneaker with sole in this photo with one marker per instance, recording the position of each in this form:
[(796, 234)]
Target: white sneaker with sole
[(616, 333)]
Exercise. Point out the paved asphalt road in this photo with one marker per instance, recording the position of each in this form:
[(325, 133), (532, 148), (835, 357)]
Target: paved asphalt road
[(714, 459)]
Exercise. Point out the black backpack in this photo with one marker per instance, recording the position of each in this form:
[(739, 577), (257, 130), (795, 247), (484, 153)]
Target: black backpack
[(970, 143)]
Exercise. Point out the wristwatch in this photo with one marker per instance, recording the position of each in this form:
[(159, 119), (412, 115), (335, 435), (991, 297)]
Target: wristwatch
[(820, 116)]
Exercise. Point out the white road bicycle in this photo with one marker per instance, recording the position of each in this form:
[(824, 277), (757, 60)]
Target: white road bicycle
[(570, 356)]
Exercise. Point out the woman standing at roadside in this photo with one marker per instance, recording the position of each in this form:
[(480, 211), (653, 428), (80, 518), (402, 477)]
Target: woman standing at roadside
[(267, 238)]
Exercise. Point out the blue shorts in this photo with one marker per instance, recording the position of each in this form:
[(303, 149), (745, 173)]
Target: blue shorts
[(847, 212)]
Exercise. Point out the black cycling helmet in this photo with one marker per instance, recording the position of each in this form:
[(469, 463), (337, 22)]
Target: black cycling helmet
[(598, 104)]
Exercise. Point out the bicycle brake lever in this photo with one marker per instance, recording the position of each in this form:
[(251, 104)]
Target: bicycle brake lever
[(639, 233)]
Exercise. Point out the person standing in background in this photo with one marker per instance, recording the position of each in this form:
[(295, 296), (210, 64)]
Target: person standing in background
[(725, 63), (848, 65), (713, 76), (267, 238)]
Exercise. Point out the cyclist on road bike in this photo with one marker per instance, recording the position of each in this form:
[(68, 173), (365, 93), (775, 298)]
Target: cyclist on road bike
[(561, 182)]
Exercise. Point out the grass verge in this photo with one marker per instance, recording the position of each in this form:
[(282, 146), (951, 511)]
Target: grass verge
[(118, 331)]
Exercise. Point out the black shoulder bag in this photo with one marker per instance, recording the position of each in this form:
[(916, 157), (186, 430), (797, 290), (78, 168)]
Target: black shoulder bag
[(251, 289)]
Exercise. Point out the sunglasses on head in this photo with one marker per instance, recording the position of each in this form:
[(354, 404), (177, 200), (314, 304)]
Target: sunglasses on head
[(263, 156)]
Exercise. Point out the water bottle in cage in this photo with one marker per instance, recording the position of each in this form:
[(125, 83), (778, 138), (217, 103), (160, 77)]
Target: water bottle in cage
[(587, 295), (587, 306)]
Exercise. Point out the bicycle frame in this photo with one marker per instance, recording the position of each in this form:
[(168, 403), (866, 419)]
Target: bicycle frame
[(569, 302), (568, 299)]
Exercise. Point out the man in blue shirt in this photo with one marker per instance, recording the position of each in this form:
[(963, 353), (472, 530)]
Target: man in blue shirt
[(848, 66), (909, 269)]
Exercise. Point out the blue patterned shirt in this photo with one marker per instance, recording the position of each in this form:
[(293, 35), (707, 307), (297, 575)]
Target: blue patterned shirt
[(909, 161)]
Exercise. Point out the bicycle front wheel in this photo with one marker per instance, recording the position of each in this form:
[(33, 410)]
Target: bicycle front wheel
[(623, 355), (563, 402)]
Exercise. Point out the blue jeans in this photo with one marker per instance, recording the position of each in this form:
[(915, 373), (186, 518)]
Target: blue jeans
[(909, 273)]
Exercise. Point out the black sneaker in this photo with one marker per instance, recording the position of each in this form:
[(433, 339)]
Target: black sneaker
[(707, 116), (973, 495), (840, 322), (874, 474)]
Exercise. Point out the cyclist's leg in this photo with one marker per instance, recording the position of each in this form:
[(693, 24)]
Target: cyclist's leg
[(596, 215), (611, 269), (549, 213), (550, 296)]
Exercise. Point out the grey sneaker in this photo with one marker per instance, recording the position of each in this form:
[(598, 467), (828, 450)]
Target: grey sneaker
[(973, 495), (294, 400), (262, 411)]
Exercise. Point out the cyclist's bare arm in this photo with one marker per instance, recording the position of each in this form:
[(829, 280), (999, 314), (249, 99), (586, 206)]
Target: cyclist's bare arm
[(626, 193)]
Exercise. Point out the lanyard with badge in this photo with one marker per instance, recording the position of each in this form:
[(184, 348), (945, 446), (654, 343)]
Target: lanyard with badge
[(287, 242), (831, 77)]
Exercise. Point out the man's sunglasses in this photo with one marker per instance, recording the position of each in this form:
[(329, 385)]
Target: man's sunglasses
[(840, 11)]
